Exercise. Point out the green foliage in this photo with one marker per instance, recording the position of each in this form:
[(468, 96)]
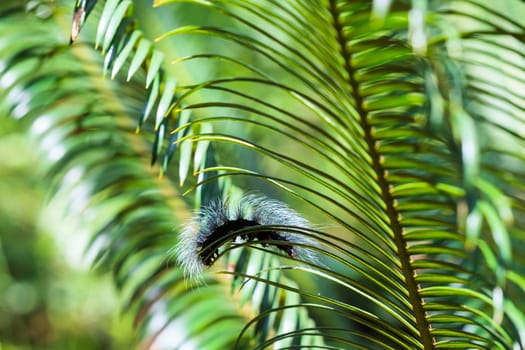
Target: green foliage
[(96, 171), (395, 126)]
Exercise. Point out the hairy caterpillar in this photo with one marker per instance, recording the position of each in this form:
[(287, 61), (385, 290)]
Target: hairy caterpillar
[(216, 224)]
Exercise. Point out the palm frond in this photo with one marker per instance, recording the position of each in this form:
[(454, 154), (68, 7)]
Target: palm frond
[(397, 124), (125, 46), (386, 116), (99, 176)]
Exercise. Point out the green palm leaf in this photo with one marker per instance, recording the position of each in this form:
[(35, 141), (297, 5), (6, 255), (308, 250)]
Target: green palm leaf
[(99, 177), (396, 127), (408, 137)]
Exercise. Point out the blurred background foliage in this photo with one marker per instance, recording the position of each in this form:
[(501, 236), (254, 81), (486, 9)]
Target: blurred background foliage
[(49, 300)]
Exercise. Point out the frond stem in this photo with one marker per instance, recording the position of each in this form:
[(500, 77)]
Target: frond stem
[(408, 272)]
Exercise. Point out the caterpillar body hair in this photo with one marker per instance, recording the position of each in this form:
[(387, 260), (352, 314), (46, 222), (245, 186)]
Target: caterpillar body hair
[(218, 222)]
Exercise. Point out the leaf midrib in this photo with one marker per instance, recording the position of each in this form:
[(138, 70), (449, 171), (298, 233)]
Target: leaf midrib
[(397, 230)]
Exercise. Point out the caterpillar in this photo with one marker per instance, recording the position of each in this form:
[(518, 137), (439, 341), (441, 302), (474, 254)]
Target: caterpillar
[(217, 223)]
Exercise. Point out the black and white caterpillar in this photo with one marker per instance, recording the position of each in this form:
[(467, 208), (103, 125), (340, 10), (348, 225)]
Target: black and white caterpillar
[(218, 222)]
